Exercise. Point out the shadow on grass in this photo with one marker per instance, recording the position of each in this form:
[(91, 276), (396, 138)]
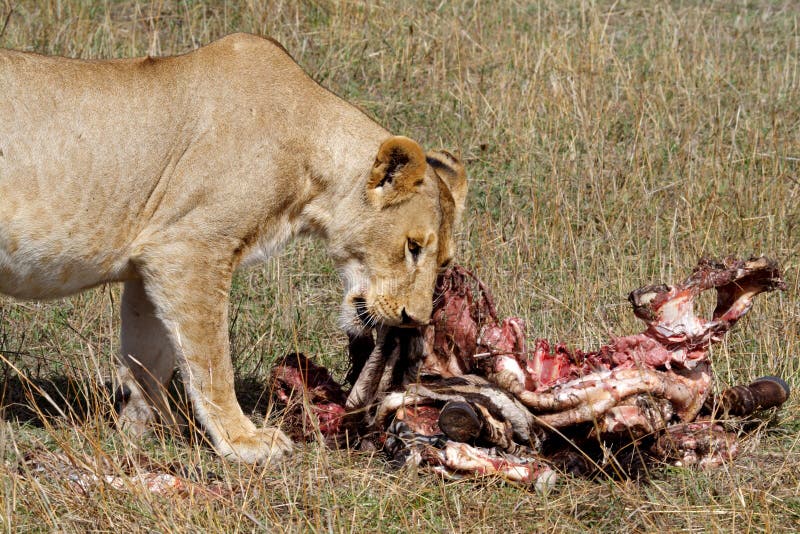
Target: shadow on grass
[(77, 400)]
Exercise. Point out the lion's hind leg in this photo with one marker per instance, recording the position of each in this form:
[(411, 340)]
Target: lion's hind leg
[(147, 362)]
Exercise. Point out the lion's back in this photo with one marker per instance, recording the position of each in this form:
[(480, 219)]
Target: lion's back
[(95, 154)]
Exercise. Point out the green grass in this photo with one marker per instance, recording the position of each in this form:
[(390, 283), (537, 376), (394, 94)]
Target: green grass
[(609, 145)]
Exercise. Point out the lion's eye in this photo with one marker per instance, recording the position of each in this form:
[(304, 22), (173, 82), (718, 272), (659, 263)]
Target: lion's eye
[(414, 248)]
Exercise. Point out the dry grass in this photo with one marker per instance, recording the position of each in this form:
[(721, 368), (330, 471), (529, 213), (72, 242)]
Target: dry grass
[(609, 145)]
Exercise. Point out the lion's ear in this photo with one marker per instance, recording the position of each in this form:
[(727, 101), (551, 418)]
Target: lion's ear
[(398, 170), (451, 171)]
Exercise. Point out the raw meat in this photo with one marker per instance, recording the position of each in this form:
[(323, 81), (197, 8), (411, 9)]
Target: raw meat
[(469, 394)]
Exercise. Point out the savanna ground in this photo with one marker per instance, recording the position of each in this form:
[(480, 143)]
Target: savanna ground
[(609, 145)]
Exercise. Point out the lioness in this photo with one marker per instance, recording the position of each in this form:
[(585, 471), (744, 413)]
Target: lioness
[(169, 174)]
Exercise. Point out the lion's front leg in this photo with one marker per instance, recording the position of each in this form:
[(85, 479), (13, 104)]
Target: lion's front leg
[(191, 297)]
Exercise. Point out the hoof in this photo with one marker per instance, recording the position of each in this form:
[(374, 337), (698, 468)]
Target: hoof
[(766, 392), (770, 391), (460, 422), (775, 380)]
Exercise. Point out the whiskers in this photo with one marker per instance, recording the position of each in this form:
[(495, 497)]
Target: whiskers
[(368, 319), (360, 321)]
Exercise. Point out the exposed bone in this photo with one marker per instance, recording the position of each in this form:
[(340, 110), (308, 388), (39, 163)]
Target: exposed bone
[(366, 385), (702, 443), (588, 398), (669, 314), (470, 376), (414, 439), (640, 415), (668, 360), (469, 388), (88, 474)]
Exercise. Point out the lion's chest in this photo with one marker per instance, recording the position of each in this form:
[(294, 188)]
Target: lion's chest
[(270, 242)]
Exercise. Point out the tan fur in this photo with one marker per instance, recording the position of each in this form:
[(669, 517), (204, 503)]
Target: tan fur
[(169, 174)]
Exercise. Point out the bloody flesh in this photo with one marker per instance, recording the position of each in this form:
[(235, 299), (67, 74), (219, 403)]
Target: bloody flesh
[(469, 394)]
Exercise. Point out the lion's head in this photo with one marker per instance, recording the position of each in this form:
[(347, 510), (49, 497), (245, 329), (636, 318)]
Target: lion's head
[(390, 256)]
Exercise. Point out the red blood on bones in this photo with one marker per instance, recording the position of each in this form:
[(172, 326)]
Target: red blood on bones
[(416, 436), (458, 458), (632, 386), (702, 443), (422, 419), (670, 355), (451, 340)]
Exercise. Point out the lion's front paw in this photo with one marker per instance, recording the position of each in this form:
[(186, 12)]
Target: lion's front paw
[(264, 445)]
